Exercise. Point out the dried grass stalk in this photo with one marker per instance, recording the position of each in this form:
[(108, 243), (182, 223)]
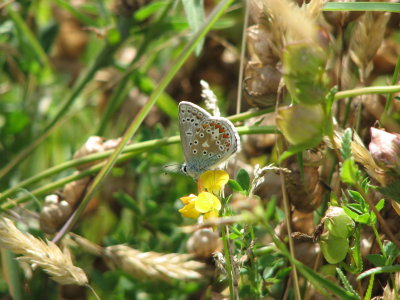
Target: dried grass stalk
[(39, 253), (286, 17), (153, 265), (366, 39)]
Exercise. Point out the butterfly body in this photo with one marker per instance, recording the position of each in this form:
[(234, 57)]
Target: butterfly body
[(207, 141)]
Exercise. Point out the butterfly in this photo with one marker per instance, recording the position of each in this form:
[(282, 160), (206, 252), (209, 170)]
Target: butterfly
[(207, 141)]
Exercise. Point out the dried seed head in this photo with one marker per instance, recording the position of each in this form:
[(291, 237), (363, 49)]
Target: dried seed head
[(73, 191), (341, 18), (366, 39), (385, 148), (152, 265), (261, 84), (54, 213), (261, 46), (203, 243), (305, 194), (36, 252), (95, 144)]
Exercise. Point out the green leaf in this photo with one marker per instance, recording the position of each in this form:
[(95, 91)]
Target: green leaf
[(392, 191), (350, 213), (346, 282), (270, 211), (235, 186), (233, 236), (194, 10), (363, 219), (392, 252), (16, 121), (321, 281), (356, 196), (127, 201), (362, 6), (148, 10), (349, 172), (243, 178), (377, 259), (379, 270), (72, 9), (380, 204), (345, 149)]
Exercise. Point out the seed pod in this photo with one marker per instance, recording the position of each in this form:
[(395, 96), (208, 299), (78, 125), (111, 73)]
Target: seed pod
[(305, 195), (95, 144), (54, 213), (260, 45), (337, 222), (304, 72), (261, 84), (301, 124), (203, 243), (338, 227), (385, 148), (73, 191)]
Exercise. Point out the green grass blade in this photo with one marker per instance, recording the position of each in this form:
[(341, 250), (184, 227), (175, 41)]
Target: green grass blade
[(379, 270), (362, 6)]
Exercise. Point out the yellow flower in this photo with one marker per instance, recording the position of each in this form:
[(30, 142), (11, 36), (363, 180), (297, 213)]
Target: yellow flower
[(213, 181), (189, 210), (205, 203)]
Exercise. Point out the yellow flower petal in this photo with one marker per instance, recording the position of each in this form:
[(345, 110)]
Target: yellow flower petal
[(189, 211), (206, 202), (213, 181), (188, 199), (212, 214)]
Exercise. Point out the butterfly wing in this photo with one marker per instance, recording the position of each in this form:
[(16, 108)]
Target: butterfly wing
[(190, 117), (215, 139)]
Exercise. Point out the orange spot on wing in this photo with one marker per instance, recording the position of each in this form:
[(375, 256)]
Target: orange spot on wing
[(221, 130), (225, 135)]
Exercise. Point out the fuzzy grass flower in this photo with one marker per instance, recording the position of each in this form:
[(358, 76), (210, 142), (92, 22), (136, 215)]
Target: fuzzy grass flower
[(213, 181), (205, 203)]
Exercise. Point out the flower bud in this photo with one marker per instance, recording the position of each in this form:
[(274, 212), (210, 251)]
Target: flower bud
[(203, 243), (385, 148), (301, 124), (304, 73)]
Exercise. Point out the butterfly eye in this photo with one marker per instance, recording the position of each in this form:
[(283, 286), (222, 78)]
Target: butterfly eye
[(184, 169)]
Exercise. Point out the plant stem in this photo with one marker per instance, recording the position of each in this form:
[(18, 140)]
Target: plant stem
[(132, 149), (367, 90), (228, 265), (390, 94)]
